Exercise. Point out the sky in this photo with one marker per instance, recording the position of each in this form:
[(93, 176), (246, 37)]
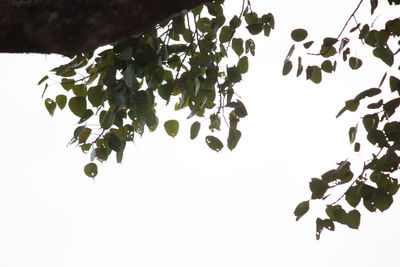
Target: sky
[(175, 202)]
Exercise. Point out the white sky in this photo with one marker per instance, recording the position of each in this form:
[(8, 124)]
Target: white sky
[(174, 202)]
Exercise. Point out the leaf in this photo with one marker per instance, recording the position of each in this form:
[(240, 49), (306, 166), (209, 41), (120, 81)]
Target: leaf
[(287, 67), (301, 209), (78, 131), (255, 28), (318, 188), (368, 93), (85, 135), (353, 196), (77, 105), (233, 138), (353, 219), (250, 46), (243, 65), (235, 22), (355, 63), (352, 134), (86, 115), (357, 147), (385, 54), (61, 101), (308, 44), (234, 75), (114, 142), (291, 50), (374, 5), (299, 35), (171, 127), (391, 106), (299, 67), (95, 96), (394, 84), (194, 129), (329, 41), (50, 106), (237, 46), (226, 34), (321, 224), (43, 79), (90, 170), (382, 199), (129, 77), (327, 66), (214, 143), (370, 122), (313, 73)]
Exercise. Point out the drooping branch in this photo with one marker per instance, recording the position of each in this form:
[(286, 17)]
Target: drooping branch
[(69, 27)]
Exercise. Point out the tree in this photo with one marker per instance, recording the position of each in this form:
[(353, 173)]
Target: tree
[(181, 60)]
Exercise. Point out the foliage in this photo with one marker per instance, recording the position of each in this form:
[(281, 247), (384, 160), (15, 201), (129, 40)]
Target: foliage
[(375, 185), (183, 60)]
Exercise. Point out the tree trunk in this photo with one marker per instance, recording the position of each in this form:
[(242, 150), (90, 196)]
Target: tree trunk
[(70, 27)]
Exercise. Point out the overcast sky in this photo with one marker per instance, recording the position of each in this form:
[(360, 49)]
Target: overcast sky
[(175, 202)]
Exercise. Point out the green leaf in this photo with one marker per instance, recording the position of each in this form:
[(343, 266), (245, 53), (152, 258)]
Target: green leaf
[(308, 44), (370, 122), (314, 74), (353, 196), (301, 209), (355, 63), (327, 66), (43, 79), (385, 54), (95, 96), (250, 46), (61, 101), (321, 224), (318, 188), (234, 75), (327, 51), (243, 65), (299, 67), (86, 115), (214, 143), (77, 105), (251, 18), (357, 147), (287, 67), (90, 170), (85, 135), (233, 138), (368, 93), (129, 77), (394, 84), (374, 5), (235, 22), (299, 35), (255, 29), (79, 131), (114, 142), (237, 46), (50, 106), (171, 127), (352, 134), (329, 41), (382, 199), (194, 129), (226, 34), (353, 219)]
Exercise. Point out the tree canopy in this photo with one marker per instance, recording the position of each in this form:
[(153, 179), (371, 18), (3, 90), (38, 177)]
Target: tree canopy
[(193, 62)]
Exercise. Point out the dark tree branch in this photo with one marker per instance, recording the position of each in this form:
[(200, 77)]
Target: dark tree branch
[(70, 27)]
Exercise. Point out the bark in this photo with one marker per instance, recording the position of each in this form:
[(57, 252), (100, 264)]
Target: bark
[(70, 27)]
